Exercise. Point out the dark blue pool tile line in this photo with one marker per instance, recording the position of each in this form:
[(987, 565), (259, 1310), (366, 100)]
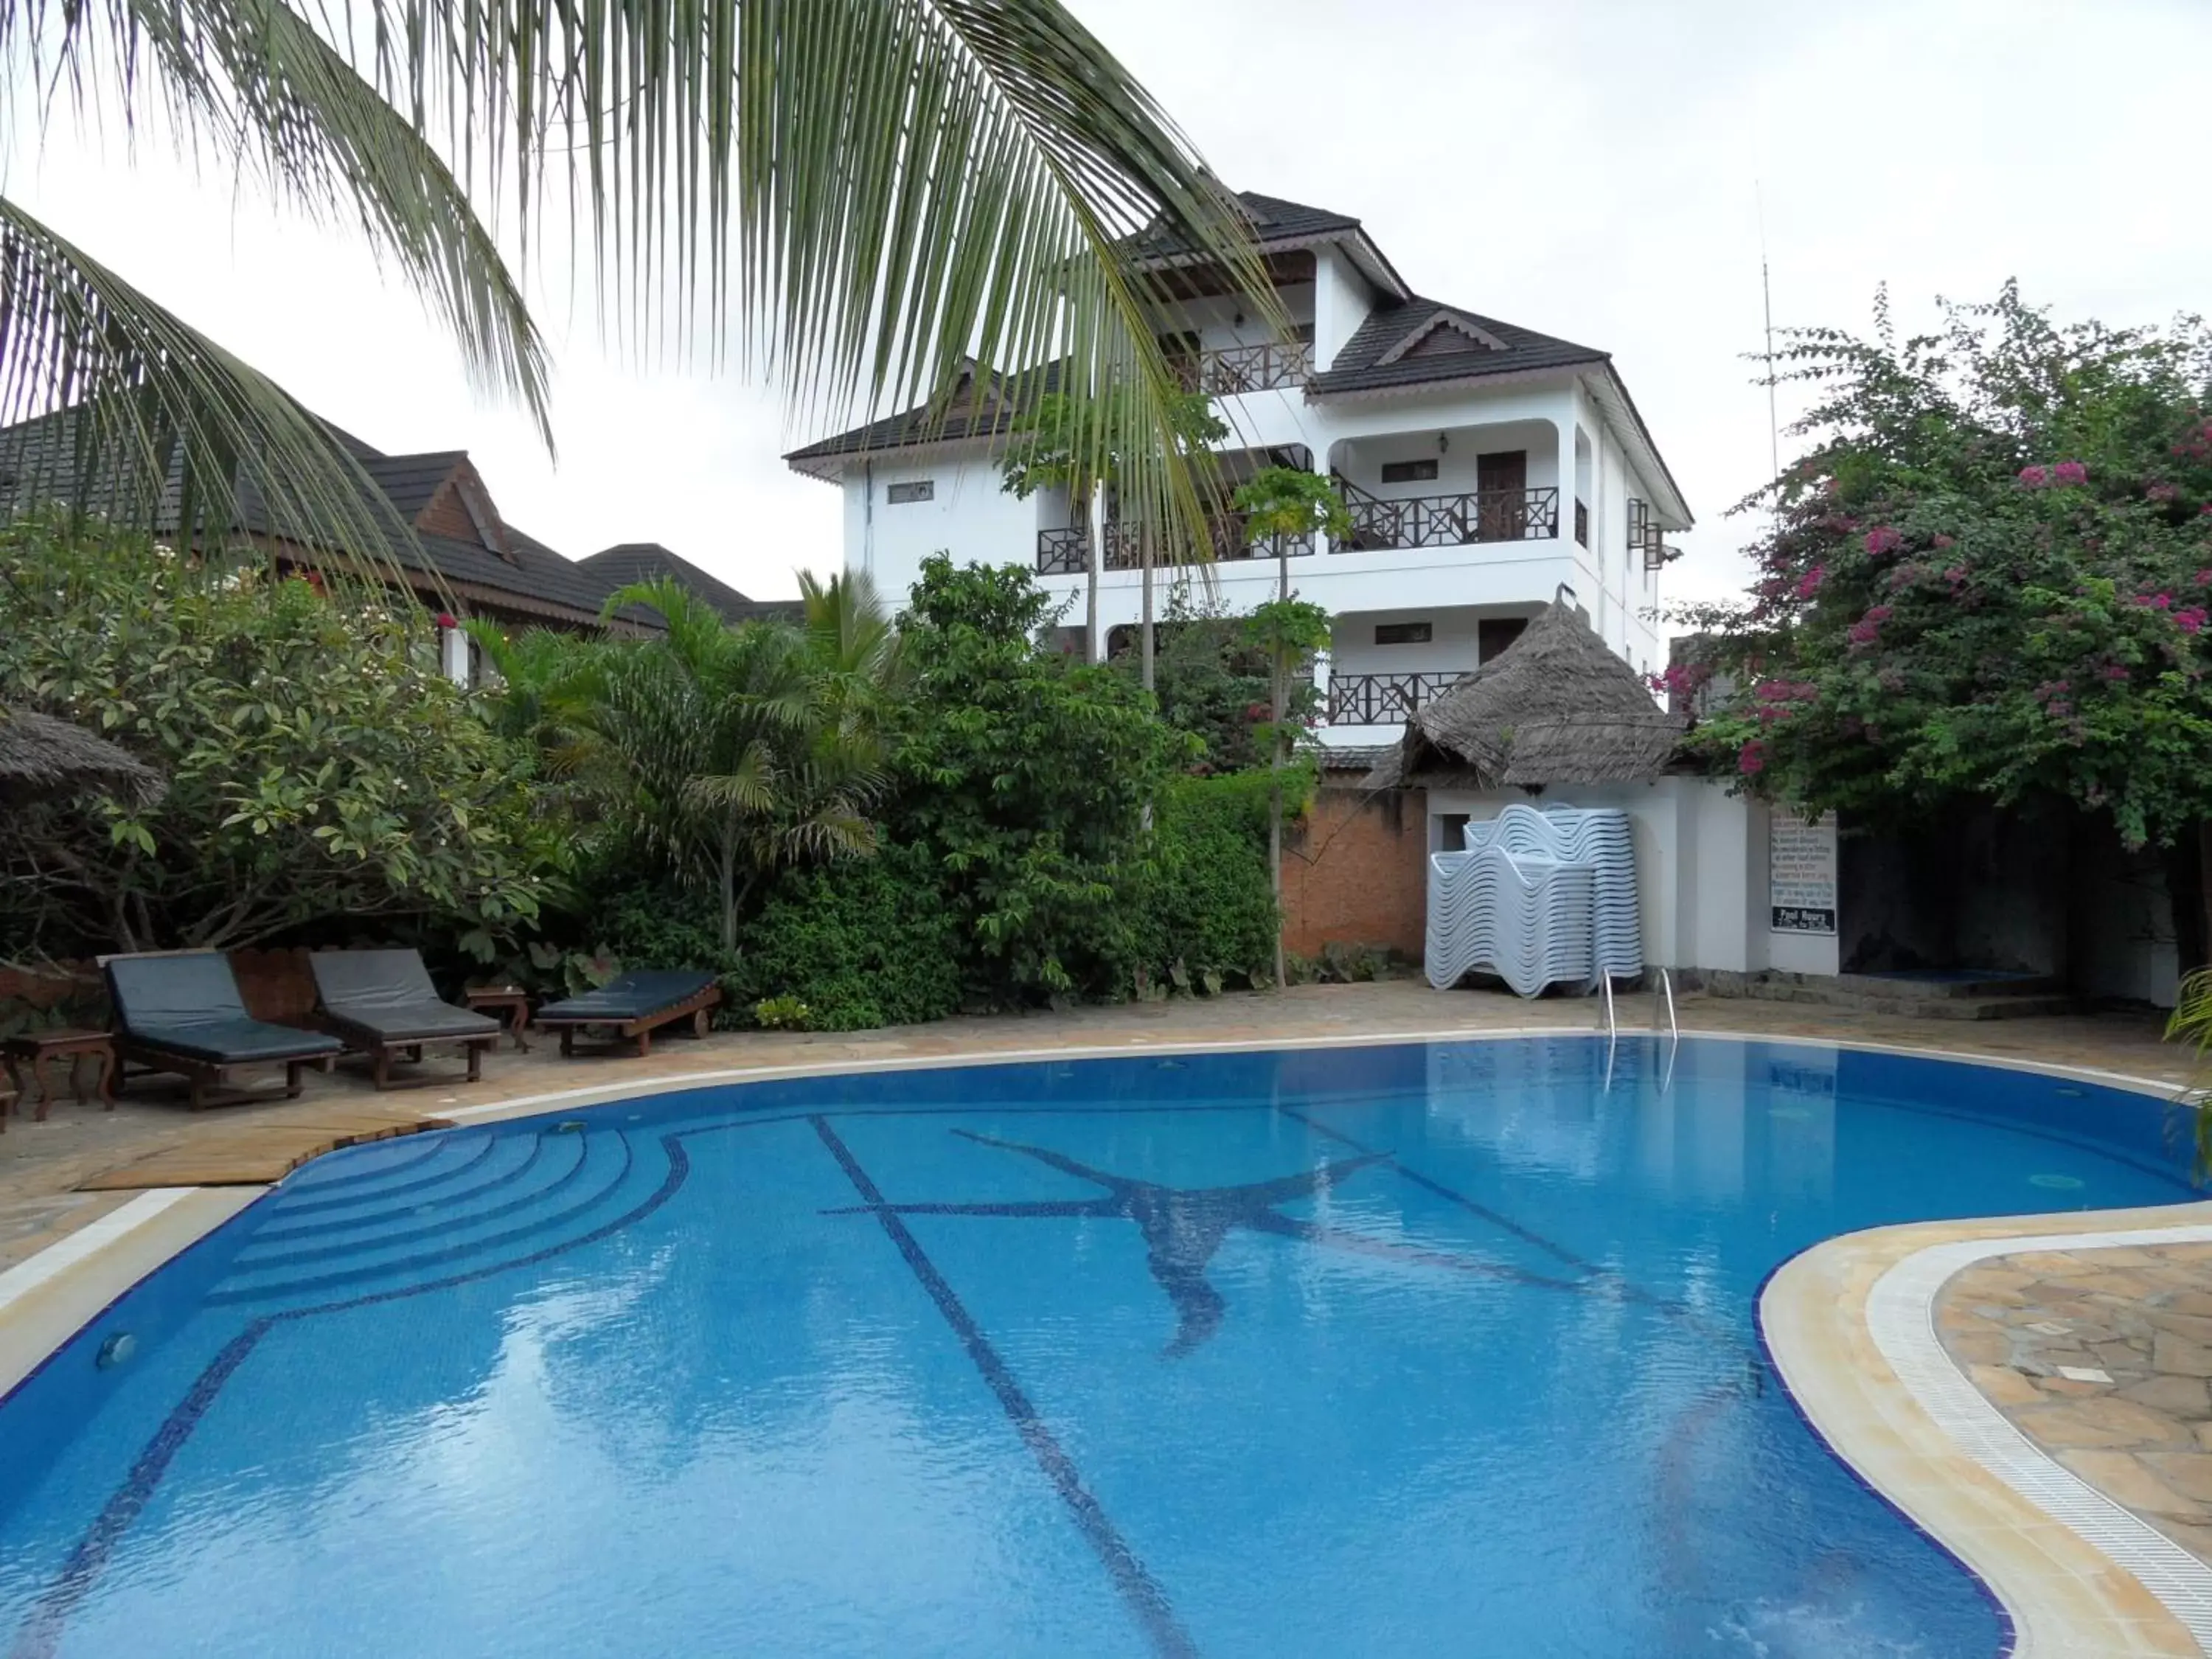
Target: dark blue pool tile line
[(312, 1180), (1141, 1592)]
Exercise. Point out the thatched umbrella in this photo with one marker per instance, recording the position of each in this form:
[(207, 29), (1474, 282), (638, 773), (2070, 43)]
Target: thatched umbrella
[(1554, 707), (42, 759)]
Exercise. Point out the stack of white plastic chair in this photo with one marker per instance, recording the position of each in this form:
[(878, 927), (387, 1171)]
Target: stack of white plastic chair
[(1598, 836), (1526, 918)]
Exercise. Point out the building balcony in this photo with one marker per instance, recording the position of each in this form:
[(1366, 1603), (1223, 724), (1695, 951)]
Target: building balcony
[(1065, 551), (1383, 699), (1476, 516), (1231, 371)]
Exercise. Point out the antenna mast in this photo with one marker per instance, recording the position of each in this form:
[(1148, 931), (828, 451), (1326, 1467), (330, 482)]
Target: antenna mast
[(1766, 298)]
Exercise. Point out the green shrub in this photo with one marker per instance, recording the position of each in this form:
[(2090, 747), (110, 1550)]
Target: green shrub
[(783, 1014), (1205, 915), (864, 943)]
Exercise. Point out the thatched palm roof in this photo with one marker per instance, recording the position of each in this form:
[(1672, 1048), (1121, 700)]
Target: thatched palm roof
[(42, 759), (1554, 707)]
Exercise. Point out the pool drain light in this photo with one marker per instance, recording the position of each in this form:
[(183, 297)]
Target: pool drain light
[(1793, 1114), (115, 1351), (573, 1126), (2074, 1094), (2056, 1183)]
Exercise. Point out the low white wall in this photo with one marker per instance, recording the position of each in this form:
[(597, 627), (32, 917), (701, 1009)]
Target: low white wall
[(1701, 871)]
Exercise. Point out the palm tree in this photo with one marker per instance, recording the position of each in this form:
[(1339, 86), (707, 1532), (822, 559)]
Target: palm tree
[(857, 195), (2191, 1022), (744, 749)]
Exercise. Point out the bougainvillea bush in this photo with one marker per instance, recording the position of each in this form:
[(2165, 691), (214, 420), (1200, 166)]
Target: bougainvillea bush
[(1989, 578)]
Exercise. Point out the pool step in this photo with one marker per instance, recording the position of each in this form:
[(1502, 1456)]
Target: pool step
[(1976, 998), (475, 1208)]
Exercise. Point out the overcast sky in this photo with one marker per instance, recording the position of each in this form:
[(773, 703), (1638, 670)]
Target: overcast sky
[(1592, 168)]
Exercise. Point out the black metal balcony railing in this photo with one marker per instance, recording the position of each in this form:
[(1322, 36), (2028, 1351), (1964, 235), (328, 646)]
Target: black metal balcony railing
[(1481, 515), (1125, 545), (1228, 371), (1065, 551), (1581, 524), (1383, 699)]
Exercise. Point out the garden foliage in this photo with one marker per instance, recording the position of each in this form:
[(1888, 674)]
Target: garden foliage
[(318, 764)]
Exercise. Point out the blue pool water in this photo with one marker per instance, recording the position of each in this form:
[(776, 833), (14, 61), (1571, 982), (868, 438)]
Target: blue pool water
[(1421, 1350)]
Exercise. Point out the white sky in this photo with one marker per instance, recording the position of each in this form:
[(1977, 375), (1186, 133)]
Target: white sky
[(1587, 167)]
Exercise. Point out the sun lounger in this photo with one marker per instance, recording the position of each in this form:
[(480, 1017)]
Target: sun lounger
[(181, 1012), (632, 1007), (381, 1004)]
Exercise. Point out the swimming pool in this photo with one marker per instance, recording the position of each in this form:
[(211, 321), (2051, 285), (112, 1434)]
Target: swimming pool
[(1426, 1349)]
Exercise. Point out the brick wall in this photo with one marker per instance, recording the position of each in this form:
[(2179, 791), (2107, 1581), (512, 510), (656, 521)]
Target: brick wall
[(1355, 872)]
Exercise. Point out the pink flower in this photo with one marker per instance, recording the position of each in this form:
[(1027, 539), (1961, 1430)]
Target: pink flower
[(2190, 620), (2034, 476), (2162, 492), (1955, 575), (1750, 759), (1943, 541), (1809, 583), (2158, 601), (1863, 634), (2204, 579), (1883, 539), (2115, 672), (1878, 614), (446, 619), (2070, 472)]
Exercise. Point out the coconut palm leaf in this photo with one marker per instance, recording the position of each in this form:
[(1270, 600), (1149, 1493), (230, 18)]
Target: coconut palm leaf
[(165, 430), (863, 197)]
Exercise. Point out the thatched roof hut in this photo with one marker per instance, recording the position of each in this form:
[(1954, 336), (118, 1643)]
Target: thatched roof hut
[(1554, 707), (42, 759)]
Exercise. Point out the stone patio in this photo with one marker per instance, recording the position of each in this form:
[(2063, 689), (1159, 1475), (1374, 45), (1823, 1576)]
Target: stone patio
[(2102, 1356)]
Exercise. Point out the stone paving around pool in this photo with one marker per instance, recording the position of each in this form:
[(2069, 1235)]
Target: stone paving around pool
[(2102, 1357)]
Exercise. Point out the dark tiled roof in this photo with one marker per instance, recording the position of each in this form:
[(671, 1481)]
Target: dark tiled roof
[(960, 414), (620, 566), (1274, 223), (1360, 365), (409, 481)]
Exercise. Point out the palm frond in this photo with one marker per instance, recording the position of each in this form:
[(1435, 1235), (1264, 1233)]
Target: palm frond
[(883, 193)]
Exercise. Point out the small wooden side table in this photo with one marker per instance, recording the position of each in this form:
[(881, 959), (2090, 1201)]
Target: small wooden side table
[(512, 998), (40, 1048)]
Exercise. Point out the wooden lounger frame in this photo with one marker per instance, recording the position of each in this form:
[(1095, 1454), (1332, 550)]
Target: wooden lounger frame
[(365, 1040), (203, 1074), (697, 1008)]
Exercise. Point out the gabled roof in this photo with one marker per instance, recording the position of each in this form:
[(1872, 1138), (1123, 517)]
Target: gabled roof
[(967, 411), (1278, 226), (1554, 707), (627, 562), (1423, 342)]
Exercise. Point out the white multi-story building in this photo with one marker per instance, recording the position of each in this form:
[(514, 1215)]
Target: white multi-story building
[(1486, 466)]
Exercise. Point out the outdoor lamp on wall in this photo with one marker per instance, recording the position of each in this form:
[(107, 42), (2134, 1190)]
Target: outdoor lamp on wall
[(1444, 442)]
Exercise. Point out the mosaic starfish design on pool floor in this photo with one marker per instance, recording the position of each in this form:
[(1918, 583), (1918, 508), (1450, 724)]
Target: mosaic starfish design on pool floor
[(1184, 1226)]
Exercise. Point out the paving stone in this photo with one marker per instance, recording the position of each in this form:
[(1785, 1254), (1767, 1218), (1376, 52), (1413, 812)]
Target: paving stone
[(2124, 1287), (2129, 1416), (2189, 1473), (1980, 1347), (2048, 1264), (2196, 1540), (2195, 1327), (2121, 1355), (2184, 1397), (2070, 1424), (2180, 1356), (2120, 1476), (2006, 1387)]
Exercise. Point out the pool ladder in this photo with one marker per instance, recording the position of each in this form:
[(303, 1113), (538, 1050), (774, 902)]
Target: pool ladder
[(1665, 1002)]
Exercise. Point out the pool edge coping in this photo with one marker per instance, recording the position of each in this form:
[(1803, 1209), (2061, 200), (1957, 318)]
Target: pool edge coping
[(2067, 1598)]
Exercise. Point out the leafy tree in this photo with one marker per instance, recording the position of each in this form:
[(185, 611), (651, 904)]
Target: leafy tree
[(1284, 504), (321, 767), (738, 750), (877, 189), (1989, 578), (1214, 683), (1024, 778)]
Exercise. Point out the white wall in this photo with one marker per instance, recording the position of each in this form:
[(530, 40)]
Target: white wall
[(1361, 460), (969, 516), (1700, 870)]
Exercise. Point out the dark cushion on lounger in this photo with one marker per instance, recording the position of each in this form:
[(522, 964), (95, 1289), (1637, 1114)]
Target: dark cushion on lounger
[(388, 994), (236, 1041), (190, 1003), (629, 996)]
